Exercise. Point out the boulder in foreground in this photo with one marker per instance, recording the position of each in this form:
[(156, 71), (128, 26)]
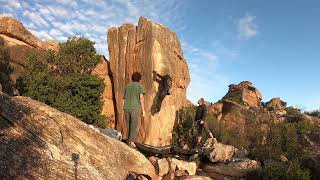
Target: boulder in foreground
[(40, 142)]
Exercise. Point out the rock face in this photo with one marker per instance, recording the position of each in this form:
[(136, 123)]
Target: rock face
[(235, 116), (244, 93), (20, 43), (218, 152), (103, 71), (145, 48), (276, 104), (278, 107), (233, 170), (14, 29), (241, 109), (170, 167), (216, 109), (39, 142)]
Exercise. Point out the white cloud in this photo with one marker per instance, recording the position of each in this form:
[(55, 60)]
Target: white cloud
[(71, 3), (246, 27), (64, 18), (53, 10), (14, 4), (35, 18), (41, 34), (55, 32)]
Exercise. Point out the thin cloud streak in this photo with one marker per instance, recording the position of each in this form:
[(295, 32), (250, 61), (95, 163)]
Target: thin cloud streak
[(247, 27)]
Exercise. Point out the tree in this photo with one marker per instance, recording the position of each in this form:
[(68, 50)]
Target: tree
[(63, 80), (76, 55)]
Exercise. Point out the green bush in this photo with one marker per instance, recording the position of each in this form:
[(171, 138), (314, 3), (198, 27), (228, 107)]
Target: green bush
[(284, 139), (294, 114), (76, 55), (263, 145), (315, 113), (63, 80), (281, 170), (185, 130)]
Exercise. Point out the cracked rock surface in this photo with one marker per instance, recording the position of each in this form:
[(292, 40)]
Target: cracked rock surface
[(153, 50), (39, 142)]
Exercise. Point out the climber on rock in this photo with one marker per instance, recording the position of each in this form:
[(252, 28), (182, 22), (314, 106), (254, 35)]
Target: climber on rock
[(133, 104), (165, 84), (201, 114)]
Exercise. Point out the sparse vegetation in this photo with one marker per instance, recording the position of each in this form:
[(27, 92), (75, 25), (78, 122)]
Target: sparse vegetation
[(185, 130), (5, 68), (315, 113), (63, 80), (266, 146), (294, 114)]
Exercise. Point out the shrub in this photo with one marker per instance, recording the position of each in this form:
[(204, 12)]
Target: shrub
[(281, 170), (294, 114), (283, 139), (76, 55), (185, 131), (315, 113), (264, 144), (63, 80)]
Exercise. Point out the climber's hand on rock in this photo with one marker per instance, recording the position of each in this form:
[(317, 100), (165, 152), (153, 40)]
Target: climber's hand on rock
[(143, 113), (201, 122)]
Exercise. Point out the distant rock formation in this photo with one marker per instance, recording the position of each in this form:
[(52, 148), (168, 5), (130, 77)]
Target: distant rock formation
[(241, 107), (244, 93), (276, 104), (145, 48), (12, 28), (39, 142)]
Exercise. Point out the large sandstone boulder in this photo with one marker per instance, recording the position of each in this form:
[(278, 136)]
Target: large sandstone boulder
[(14, 29), (244, 93), (245, 121), (218, 152), (145, 48), (278, 107), (39, 142), (276, 104), (103, 71), (235, 116)]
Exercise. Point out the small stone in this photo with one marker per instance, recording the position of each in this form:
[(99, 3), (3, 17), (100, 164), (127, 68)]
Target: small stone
[(163, 167), (190, 167), (283, 158), (153, 160), (181, 173)]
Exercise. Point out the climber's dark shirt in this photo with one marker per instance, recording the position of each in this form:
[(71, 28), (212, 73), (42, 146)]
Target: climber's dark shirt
[(201, 112)]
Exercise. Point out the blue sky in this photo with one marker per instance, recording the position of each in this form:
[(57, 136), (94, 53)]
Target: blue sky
[(274, 44)]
